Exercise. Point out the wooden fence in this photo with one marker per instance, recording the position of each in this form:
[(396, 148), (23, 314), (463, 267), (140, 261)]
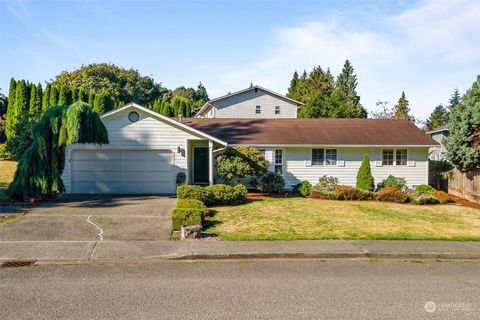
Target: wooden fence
[(465, 185)]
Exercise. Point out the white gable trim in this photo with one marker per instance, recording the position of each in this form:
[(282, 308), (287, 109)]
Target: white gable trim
[(164, 119), (209, 103)]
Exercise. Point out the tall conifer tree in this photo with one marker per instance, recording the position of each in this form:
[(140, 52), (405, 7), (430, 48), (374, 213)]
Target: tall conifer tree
[(46, 98), (402, 111), (10, 123)]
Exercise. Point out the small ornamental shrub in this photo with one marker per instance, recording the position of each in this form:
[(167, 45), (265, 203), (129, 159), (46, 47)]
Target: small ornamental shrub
[(303, 188), (325, 184), (187, 217), (442, 197), (424, 188), (422, 198), (222, 194), (365, 179), (195, 192), (270, 183), (351, 193), (394, 182), (240, 193), (392, 195)]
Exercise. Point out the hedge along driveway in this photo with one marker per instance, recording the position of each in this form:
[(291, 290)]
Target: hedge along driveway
[(308, 219)]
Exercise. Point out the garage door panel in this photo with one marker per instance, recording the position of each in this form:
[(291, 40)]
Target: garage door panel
[(106, 176), (84, 175), (109, 165), (122, 171)]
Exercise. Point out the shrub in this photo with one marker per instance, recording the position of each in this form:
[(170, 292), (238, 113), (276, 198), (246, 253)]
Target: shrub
[(442, 197), (222, 194), (270, 183), (240, 193), (394, 182), (392, 195), (190, 203), (424, 188), (195, 192), (303, 188), (351, 193), (325, 184), (236, 163), (3, 152), (422, 198), (187, 217), (365, 179)]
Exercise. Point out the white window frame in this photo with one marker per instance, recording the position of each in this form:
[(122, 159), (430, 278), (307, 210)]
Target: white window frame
[(394, 159), (278, 163), (258, 109), (322, 162), (327, 161), (277, 109)]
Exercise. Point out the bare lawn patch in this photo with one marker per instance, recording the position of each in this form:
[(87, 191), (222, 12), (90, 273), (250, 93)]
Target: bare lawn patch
[(7, 170), (308, 219)]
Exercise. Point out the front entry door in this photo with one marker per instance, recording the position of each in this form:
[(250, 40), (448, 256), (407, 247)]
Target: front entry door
[(200, 165)]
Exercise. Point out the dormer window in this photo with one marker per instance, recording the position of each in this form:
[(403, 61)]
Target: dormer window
[(277, 109), (258, 110)]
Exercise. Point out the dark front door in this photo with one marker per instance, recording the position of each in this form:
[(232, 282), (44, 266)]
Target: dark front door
[(200, 165)]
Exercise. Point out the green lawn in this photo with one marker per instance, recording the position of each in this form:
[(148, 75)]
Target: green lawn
[(302, 219), (7, 170)]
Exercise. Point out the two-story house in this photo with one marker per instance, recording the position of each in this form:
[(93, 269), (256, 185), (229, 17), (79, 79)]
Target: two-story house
[(151, 153)]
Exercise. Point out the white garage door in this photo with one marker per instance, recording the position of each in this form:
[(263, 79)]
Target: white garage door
[(122, 171)]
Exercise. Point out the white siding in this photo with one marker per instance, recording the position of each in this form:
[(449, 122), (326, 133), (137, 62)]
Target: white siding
[(297, 165), (148, 133), (243, 106)]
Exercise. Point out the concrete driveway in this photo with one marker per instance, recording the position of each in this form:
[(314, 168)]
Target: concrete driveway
[(94, 217)]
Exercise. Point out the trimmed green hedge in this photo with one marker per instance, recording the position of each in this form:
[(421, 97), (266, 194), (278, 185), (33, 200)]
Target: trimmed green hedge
[(213, 195)]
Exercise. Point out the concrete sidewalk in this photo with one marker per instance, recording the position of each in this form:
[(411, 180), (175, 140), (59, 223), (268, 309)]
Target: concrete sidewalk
[(81, 251)]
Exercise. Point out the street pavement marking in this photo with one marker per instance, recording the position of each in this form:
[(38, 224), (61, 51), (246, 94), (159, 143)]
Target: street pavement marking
[(100, 234)]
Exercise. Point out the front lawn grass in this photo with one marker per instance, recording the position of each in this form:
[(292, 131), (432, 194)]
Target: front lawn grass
[(309, 219), (7, 170)]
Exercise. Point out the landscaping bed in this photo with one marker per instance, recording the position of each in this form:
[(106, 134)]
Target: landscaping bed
[(309, 219)]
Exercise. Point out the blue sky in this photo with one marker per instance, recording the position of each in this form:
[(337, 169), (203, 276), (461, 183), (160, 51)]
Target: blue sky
[(426, 48)]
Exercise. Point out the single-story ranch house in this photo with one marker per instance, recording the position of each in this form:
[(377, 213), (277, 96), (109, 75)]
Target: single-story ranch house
[(151, 153)]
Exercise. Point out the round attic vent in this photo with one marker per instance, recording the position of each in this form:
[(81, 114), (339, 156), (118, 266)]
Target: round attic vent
[(133, 116)]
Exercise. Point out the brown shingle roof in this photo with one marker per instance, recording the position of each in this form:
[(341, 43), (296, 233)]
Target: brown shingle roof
[(379, 132)]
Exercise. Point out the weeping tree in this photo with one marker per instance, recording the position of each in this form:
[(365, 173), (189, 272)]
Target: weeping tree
[(40, 167)]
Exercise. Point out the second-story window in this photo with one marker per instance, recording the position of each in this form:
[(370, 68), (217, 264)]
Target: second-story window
[(277, 109), (258, 110)]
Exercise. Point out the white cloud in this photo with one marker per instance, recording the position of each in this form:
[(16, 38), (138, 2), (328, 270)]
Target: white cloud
[(425, 51)]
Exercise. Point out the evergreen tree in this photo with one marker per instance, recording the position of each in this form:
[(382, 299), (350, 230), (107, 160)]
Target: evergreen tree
[(438, 118), (293, 86), (365, 179), (64, 97), (201, 93), (463, 143), (455, 99), (402, 111), (53, 96), (11, 122), (347, 87), (73, 95), (82, 95), (91, 98), (46, 98), (35, 109), (102, 103)]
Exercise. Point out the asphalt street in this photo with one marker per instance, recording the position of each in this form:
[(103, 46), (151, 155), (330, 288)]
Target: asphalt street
[(268, 289)]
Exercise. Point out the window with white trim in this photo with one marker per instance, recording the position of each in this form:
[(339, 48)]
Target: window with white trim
[(330, 157), (387, 157), (277, 109), (401, 157), (258, 110), (317, 157), (278, 161)]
